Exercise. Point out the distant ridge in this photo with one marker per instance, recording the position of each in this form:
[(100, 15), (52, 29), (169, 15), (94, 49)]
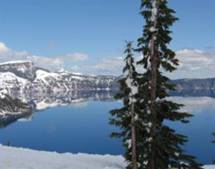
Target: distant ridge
[(194, 87), (22, 76)]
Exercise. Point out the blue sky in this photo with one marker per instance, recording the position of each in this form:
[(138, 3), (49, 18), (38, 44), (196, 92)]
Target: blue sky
[(90, 34)]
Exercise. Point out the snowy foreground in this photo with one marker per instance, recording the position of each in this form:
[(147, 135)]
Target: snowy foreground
[(17, 158)]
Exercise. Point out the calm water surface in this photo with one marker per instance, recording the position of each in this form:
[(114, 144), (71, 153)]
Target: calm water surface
[(83, 127)]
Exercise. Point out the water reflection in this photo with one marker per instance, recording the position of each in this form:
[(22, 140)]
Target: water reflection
[(78, 122), (21, 106), (200, 127)]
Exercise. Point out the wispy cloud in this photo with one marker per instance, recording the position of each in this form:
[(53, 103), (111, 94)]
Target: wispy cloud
[(111, 65), (76, 57), (7, 54), (51, 63), (3, 48), (194, 59), (194, 63)]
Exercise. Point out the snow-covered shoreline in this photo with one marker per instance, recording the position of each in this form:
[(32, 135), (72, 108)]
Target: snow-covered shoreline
[(19, 158)]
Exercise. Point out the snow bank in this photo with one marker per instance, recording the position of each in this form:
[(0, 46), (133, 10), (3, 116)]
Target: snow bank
[(18, 158), (210, 167)]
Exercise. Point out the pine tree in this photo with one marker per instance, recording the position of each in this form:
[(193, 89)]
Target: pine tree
[(127, 116), (161, 146)]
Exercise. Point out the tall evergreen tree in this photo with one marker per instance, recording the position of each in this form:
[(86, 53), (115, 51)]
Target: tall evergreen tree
[(161, 147), (127, 116)]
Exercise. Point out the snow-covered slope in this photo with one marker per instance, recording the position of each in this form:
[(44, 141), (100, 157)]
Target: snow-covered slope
[(17, 158), (22, 77), (10, 81), (24, 69)]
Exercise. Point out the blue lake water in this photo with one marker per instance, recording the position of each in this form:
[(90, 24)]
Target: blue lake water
[(84, 127)]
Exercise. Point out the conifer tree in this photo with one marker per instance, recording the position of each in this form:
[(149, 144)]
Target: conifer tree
[(161, 147), (127, 116)]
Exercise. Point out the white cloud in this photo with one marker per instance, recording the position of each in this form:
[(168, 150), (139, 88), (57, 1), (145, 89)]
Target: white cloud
[(193, 59), (51, 63), (113, 65), (195, 63), (77, 57), (3, 48), (110, 65), (106, 66)]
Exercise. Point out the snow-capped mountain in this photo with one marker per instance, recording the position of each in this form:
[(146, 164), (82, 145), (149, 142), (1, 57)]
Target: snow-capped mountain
[(23, 78), (21, 82), (24, 69)]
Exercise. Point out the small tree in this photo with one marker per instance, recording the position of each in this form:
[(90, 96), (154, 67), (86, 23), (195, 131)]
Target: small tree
[(161, 148), (127, 116)]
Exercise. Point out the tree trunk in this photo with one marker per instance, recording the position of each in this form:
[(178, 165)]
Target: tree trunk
[(133, 139), (153, 91), (153, 105)]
